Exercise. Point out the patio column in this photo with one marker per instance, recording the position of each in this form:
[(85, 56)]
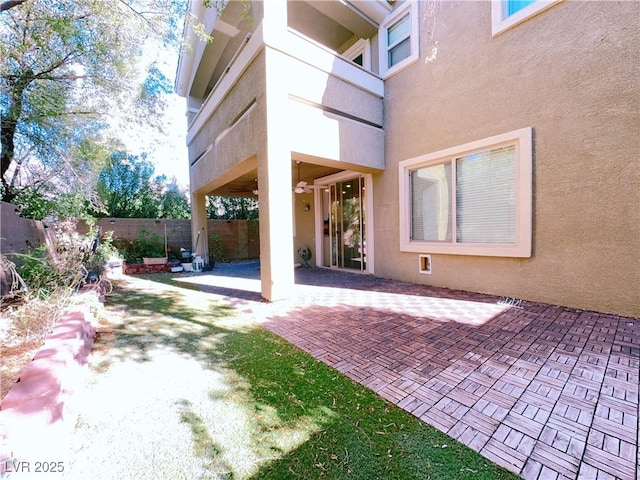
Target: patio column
[(199, 224), (274, 170)]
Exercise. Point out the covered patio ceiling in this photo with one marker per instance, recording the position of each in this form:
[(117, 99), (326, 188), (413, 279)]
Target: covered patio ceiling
[(244, 185)]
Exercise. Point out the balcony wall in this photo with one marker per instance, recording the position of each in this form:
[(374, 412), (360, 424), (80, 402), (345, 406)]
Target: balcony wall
[(229, 128), (335, 109), (334, 113)]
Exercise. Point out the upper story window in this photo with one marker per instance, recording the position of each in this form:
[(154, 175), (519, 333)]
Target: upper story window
[(514, 6), (474, 199), (398, 39), (508, 13), (360, 54)]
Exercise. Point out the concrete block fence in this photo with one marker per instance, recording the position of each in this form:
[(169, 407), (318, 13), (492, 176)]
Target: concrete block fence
[(240, 238)]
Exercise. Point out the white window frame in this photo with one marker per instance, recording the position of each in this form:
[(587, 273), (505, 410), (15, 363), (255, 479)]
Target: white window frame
[(361, 47), (501, 21), (522, 140), (410, 6)]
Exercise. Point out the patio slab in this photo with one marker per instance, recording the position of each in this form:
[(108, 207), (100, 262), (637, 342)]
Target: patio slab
[(545, 391)]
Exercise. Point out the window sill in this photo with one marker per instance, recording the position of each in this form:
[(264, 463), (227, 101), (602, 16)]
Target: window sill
[(522, 250), (399, 67)]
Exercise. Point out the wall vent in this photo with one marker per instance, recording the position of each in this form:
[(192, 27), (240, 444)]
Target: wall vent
[(424, 264)]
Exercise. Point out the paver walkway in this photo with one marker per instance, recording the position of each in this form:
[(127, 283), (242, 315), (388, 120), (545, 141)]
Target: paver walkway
[(545, 391)]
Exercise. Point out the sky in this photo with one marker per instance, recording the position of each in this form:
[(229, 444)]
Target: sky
[(171, 159), (168, 152)]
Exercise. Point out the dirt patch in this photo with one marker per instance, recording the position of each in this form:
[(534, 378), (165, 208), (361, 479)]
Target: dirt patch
[(14, 359), (24, 325)]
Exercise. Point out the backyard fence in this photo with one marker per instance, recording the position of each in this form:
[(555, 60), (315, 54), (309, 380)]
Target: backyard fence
[(20, 235), (239, 238)]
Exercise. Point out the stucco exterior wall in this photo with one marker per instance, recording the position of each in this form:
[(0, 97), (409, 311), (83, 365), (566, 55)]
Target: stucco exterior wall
[(244, 135), (571, 73), (331, 118), (313, 84), (304, 233), (341, 142)]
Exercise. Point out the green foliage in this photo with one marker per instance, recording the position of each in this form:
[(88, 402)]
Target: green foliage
[(105, 252), (232, 208), (173, 201), (71, 74), (42, 204), (33, 204), (39, 272), (127, 189), (216, 249), (48, 272), (147, 245)]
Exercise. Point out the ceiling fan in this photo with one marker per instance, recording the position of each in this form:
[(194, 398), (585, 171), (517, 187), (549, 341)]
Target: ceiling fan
[(302, 186)]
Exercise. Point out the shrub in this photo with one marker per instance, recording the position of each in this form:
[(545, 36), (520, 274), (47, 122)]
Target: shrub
[(216, 250), (147, 245), (40, 273)]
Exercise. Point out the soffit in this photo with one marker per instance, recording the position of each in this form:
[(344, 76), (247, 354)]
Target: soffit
[(347, 16)]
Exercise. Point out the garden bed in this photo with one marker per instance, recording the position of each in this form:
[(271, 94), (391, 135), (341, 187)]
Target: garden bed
[(138, 268)]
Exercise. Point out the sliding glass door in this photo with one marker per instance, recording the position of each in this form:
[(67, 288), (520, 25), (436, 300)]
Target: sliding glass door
[(347, 224)]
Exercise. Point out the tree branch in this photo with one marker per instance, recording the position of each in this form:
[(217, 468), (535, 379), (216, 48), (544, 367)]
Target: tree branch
[(10, 4), (136, 13)]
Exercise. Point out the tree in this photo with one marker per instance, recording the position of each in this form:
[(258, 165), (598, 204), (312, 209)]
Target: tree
[(70, 68), (128, 189), (125, 187), (173, 202), (232, 208)]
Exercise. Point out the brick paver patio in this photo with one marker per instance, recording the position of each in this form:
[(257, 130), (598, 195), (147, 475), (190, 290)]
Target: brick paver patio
[(548, 392)]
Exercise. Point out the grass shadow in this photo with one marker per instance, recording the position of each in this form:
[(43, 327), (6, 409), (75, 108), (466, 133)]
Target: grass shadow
[(296, 417)]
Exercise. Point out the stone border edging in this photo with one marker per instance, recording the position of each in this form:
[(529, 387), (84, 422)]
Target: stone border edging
[(36, 415)]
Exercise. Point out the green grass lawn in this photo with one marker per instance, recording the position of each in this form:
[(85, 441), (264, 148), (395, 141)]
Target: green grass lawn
[(302, 419)]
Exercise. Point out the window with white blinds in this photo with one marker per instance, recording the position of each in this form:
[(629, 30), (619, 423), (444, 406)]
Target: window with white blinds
[(473, 199), (431, 203), (485, 196)]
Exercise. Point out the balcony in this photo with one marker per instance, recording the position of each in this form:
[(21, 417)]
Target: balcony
[(282, 82)]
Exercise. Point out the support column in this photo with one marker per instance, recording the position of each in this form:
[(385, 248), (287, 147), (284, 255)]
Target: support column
[(199, 225), (274, 169), (276, 232)]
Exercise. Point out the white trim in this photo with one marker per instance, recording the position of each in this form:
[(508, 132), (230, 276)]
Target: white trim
[(361, 47), (500, 21), (410, 6), (376, 10), (522, 139)]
